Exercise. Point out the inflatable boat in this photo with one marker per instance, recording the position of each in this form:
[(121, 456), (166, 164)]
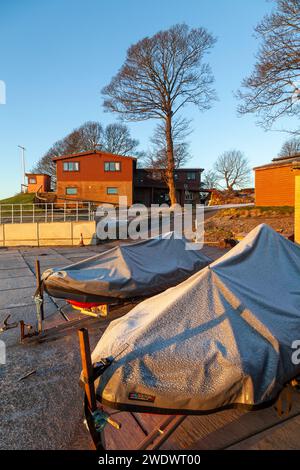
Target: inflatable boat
[(134, 270), (223, 337)]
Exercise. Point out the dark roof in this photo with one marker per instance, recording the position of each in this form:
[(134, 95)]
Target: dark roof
[(90, 152), (282, 161), (176, 169), (287, 157), (37, 174)]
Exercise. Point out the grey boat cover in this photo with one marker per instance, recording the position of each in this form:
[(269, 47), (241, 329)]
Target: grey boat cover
[(133, 270), (222, 337)]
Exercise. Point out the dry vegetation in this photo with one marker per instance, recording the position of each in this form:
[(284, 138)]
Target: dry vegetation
[(236, 223)]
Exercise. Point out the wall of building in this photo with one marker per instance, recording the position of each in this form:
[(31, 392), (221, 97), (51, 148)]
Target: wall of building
[(92, 180), (47, 234), (42, 183), (96, 190), (275, 186)]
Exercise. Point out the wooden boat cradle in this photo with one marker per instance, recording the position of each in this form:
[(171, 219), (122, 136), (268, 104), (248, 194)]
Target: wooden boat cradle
[(154, 438)]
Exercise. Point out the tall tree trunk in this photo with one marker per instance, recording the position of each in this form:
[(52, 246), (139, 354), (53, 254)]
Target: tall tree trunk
[(170, 158)]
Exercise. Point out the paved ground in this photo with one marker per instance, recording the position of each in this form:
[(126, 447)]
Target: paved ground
[(44, 410)]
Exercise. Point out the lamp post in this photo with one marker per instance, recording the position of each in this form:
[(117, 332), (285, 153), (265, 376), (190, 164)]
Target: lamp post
[(23, 165)]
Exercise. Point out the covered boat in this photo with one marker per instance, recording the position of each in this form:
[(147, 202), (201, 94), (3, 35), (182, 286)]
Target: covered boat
[(128, 271), (222, 337)]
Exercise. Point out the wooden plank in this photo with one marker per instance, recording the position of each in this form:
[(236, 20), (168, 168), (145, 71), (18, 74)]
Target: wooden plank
[(220, 430), (71, 327), (283, 436), (127, 437), (160, 433), (224, 429), (149, 420)]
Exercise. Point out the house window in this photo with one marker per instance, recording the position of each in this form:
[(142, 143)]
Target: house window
[(176, 176), (71, 166), (191, 175), (112, 190), (156, 175), (32, 181), (189, 196), (112, 166), (71, 191)]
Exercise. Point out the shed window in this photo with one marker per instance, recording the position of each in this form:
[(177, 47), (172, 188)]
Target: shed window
[(71, 191), (112, 190), (112, 166), (32, 180), (191, 175), (71, 166)]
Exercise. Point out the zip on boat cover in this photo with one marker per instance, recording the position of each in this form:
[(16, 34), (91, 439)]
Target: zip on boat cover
[(133, 270), (222, 337)]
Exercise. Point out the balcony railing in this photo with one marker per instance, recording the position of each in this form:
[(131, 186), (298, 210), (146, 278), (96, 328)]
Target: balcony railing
[(47, 212)]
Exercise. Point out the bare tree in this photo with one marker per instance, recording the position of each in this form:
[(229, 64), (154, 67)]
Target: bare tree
[(47, 166), (117, 139), (290, 148), (157, 157), (233, 169), (272, 90), (161, 74), (210, 179), (114, 138), (91, 136)]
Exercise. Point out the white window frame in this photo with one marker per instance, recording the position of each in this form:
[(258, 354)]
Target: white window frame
[(71, 194), (112, 166), (114, 193), (71, 166)]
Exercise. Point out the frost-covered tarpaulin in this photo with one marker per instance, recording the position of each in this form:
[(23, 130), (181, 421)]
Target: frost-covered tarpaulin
[(224, 336), (133, 270)]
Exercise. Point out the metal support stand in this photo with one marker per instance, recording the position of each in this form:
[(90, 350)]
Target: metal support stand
[(39, 284), (26, 331), (87, 368), (96, 417), (39, 297)]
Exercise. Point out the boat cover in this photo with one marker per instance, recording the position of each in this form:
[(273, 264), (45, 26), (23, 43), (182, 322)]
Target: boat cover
[(222, 337), (132, 270)]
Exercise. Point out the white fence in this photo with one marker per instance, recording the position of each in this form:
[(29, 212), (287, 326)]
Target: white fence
[(47, 212)]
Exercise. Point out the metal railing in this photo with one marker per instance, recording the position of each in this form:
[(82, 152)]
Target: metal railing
[(47, 212)]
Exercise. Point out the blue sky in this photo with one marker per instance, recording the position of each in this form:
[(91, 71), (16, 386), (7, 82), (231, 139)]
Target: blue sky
[(55, 57)]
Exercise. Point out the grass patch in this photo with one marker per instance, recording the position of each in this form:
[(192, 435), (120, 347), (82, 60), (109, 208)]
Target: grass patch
[(280, 210), (22, 198), (264, 211)]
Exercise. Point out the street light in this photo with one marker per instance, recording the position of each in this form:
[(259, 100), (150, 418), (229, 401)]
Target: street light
[(23, 165)]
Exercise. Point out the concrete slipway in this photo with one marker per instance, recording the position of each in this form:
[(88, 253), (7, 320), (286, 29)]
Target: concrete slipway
[(44, 410)]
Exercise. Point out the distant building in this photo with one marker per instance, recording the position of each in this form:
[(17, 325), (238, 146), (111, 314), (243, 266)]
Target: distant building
[(150, 186), (275, 182), (95, 176), (38, 182), (103, 177)]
